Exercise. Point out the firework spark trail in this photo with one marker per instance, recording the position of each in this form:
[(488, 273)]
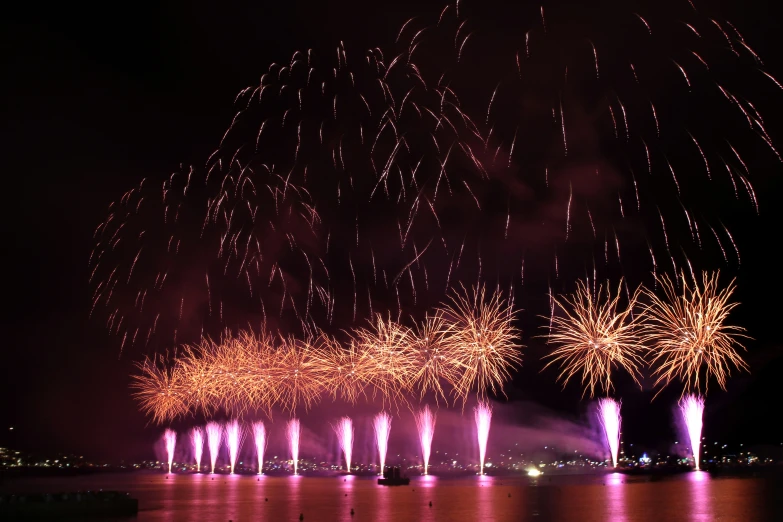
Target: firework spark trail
[(234, 436), (692, 409), (170, 440), (259, 437), (483, 416), (688, 334), (344, 431), (214, 436), (197, 439), (595, 335), (382, 426), (609, 415), (425, 423), (293, 431)]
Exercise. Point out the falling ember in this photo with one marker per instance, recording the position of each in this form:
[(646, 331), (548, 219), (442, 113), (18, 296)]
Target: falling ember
[(214, 434), (483, 413), (197, 438), (344, 431), (293, 429), (692, 407), (425, 422), (382, 425), (233, 441), (609, 414), (170, 438), (259, 436)]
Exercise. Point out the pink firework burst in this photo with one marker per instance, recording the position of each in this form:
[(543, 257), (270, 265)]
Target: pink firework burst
[(692, 408), (214, 434), (344, 431), (234, 436), (170, 439), (382, 425), (609, 414), (293, 430), (259, 436), (425, 422), (197, 439), (483, 414)]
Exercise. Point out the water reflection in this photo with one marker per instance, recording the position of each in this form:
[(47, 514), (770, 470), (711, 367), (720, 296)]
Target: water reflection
[(616, 492)]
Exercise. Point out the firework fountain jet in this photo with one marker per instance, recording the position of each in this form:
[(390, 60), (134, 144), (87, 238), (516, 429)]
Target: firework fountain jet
[(293, 429), (197, 438), (344, 431), (170, 438), (609, 414), (233, 441), (259, 436), (382, 425), (483, 414), (214, 434), (692, 408), (425, 422)]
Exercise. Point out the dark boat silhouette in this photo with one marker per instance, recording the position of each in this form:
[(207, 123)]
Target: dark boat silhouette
[(392, 477), (81, 505)]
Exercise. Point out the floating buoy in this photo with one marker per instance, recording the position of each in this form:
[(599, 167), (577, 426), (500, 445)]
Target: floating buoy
[(301, 516), (346, 494), (509, 495), (266, 500), (351, 511), (430, 503)]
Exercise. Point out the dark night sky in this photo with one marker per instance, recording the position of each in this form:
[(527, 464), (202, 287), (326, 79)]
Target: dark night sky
[(97, 98)]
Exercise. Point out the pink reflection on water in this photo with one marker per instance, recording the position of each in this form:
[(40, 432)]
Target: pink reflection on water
[(616, 496), (701, 503)]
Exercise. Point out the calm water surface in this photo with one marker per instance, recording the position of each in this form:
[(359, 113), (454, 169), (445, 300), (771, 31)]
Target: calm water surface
[(618, 498)]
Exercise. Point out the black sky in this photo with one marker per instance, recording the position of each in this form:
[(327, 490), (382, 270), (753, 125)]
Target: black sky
[(94, 99)]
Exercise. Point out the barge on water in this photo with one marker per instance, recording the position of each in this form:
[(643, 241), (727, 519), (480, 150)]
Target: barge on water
[(392, 477)]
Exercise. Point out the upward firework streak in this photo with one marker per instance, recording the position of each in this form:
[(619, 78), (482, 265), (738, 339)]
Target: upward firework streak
[(344, 431), (170, 439), (692, 408), (234, 436), (293, 430), (259, 437), (425, 422), (214, 434), (382, 425), (596, 335), (609, 414), (483, 414), (197, 438), (688, 335)]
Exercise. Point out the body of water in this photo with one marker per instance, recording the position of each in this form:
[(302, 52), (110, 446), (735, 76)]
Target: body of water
[(687, 497)]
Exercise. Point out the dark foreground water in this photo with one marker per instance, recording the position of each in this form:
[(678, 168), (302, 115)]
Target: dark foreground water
[(618, 498)]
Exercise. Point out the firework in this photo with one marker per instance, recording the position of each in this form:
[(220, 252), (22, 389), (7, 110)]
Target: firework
[(197, 439), (214, 435), (609, 415), (483, 415), (234, 436), (435, 365), (293, 430), (692, 408), (160, 390), (344, 431), (687, 333), (170, 440), (425, 422), (382, 425), (259, 437), (438, 131), (482, 340), (596, 335)]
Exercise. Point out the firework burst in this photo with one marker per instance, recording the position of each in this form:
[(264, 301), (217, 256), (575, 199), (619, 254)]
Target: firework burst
[(481, 339), (425, 423), (688, 335), (382, 426), (594, 336)]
